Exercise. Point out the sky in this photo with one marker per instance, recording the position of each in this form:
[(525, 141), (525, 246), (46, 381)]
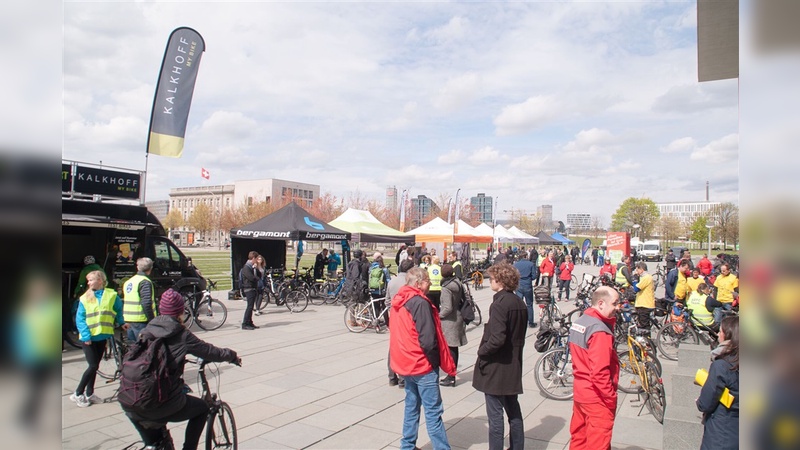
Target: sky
[(576, 105)]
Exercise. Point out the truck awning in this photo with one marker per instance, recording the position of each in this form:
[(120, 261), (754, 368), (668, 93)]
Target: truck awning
[(69, 220)]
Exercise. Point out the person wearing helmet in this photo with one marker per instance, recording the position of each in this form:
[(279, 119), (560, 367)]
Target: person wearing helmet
[(89, 265)]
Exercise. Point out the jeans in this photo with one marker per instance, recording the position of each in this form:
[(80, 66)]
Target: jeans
[(423, 390), (195, 411), (495, 404), (563, 285), (250, 296), (719, 312), (135, 329), (599, 261), (528, 297)]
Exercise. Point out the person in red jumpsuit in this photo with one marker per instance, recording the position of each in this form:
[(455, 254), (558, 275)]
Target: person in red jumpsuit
[(596, 372)]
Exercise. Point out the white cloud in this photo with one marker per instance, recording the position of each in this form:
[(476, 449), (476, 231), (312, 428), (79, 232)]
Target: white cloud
[(487, 155), (528, 115), (722, 150), (451, 157), (682, 145), (454, 29), (457, 92)]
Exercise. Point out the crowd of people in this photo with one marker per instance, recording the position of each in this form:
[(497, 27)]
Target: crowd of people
[(427, 329)]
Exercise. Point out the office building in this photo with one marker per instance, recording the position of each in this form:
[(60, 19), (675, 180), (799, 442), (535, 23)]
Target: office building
[(545, 213), (392, 202), (686, 212), (159, 208), (421, 208), (483, 206), (579, 221)]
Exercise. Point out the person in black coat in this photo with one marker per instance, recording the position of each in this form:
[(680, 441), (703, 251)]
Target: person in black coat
[(498, 370), (722, 422), (320, 262), (179, 406)]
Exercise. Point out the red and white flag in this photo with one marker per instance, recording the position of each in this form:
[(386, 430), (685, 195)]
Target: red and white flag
[(205, 174)]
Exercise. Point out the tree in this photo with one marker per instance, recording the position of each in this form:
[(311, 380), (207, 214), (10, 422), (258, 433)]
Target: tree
[(641, 211), (443, 201), (327, 207), (726, 222), (202, 219), (537, 224), (669, 228), (698, 231), (173, 220), (597, 226)]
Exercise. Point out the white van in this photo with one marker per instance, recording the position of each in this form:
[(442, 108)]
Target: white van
[(651, 251)]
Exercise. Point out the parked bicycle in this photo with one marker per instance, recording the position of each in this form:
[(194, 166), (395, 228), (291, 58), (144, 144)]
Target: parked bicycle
[(283, 291), (553, 371), (689, 331), (221, 432), (642, 363), (360, 316), (476, 311), (202, 309)]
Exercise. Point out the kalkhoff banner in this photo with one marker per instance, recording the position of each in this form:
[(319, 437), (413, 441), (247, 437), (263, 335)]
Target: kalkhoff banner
[(585, 247), (174, 92)]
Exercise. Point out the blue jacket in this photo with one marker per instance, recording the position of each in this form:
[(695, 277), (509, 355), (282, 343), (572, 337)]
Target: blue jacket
[(669, 286), (80, 319), (333, 261), (526, 274)]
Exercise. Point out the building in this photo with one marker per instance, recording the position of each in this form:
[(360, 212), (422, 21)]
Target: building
[(421, 208), (159, 208), (392, 201), (579, 221), (483, 207), (545, 213), (231, 196), (686, 212)]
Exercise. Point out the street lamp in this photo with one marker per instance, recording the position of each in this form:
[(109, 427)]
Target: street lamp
[(709, 238)]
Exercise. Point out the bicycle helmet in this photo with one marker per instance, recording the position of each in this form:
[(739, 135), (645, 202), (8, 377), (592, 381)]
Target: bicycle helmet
[(89, 259)]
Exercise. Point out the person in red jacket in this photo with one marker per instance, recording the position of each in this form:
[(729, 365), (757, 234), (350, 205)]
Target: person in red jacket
[(547, 268), (705, 265), (417, 349), (565, 276), (608, 268), (595, 368)]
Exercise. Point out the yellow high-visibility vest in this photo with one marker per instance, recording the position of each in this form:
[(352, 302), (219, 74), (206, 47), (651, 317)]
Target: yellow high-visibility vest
[(100, 315)]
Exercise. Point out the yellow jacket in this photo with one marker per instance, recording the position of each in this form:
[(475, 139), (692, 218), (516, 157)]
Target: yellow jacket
[(646, 297)]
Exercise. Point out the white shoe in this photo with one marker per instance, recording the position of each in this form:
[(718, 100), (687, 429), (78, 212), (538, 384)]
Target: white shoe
[(74, 397), (82, 402)]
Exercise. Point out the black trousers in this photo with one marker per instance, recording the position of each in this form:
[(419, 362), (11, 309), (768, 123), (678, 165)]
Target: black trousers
[(454, 355), (195, 411), (93, 353), (436, 298), (643, 319), (495, 404), (250, 297)]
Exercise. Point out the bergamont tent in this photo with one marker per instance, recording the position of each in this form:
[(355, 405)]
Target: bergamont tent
[(366, 228)]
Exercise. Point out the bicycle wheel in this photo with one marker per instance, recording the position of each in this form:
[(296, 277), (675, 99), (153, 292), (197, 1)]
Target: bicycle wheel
[(477, 280), (316, 293), (211, 314), (670, 337), (656, 398), (110, 362), (221, 429), (553, 374), (478, 316), (629, 381), (357, 317), (573, 284), (71, 334), (188, 317), (297, 301)]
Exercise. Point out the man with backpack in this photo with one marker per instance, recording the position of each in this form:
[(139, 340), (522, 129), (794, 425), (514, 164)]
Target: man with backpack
[(151, 385), (378, 276), (356, 277)]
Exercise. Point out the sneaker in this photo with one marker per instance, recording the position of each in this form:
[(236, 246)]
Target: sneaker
[(82, 402), (257, 312), (95, 400), (74, 397)]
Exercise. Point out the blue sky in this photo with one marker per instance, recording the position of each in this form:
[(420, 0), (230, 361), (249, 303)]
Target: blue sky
[(578, 105)]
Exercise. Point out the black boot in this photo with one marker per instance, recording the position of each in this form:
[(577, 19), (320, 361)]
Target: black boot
[(448, 381)]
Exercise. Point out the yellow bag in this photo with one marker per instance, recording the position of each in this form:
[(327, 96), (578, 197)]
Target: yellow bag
[(700, 379)]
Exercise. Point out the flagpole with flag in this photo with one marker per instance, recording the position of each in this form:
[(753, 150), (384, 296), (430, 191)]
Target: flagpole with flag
[(173, 96)]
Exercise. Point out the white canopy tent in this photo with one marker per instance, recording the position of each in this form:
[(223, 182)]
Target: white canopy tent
[(522, 237)]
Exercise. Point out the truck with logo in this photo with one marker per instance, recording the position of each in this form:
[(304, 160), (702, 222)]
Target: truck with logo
[(103, 216), (651, 251)]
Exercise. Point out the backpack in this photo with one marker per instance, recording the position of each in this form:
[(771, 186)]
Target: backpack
[(376, 278), (149, 374), (545, 339), (465, 305)]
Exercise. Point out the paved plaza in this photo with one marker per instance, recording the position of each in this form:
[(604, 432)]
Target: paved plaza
[(307, 382)]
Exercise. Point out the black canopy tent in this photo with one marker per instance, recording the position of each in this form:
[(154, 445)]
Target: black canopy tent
[(546, 240), (268, 236)]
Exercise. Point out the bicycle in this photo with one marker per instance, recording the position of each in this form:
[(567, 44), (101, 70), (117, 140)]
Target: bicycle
[(553, 371), (110, 366), (690, 331), (284, 292), (221, 430), (628, 379), (642, 364), (549, 312), (205, 311), (359, 316), (659, 276), (475, 278)]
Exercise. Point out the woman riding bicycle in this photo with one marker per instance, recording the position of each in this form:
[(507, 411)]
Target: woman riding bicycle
[(179, 407)]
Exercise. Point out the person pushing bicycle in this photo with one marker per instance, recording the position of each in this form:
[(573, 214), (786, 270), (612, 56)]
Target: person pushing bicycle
[(179, 406)]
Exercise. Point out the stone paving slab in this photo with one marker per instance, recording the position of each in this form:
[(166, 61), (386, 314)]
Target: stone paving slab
[(307, 382)]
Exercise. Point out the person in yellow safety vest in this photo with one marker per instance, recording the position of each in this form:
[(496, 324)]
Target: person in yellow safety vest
[(645, 297), (139, 306), (681, 287), (623, 277), (697, 304), (458, 270), (98, 310), (435, 274)]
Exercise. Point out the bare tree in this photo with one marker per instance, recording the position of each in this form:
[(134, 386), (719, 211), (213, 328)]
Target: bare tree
[(327, 207), (726, 222), (357, 200), (442, 201), (202, 219), (597, 226), (669, 228)]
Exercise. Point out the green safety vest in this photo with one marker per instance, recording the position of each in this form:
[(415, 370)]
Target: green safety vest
[(132, 309), (620, 277), (100, 315), (697, 304), (435, 274)]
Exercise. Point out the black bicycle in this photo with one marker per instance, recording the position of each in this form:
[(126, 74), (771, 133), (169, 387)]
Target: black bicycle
[(111, 362), (221, 430)]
